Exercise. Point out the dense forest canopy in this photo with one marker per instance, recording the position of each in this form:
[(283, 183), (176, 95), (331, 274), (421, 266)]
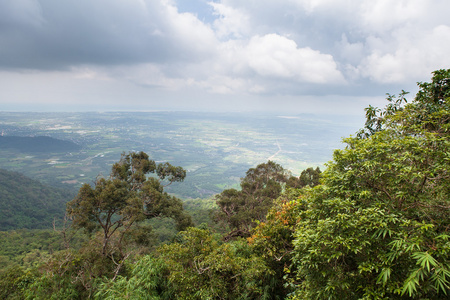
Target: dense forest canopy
[(373, 225), (26, 203), (378, 225)]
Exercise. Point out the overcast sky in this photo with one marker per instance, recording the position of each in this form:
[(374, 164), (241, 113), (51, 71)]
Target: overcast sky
[(290, 56)]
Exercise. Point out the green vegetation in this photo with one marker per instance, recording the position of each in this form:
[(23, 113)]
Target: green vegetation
[(378, 225), (26, 247), (26, 203), (309, 177), (240, 210), (117, 206), (373, 225)]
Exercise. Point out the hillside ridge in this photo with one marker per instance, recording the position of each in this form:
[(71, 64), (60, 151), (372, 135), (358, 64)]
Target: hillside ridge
[(27, 203), (37, 144)]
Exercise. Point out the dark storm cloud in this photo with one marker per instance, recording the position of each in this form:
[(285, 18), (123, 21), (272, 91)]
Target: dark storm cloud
[(48, 34)]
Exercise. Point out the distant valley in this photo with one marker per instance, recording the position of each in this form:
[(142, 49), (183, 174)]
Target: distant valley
[(68, 149)]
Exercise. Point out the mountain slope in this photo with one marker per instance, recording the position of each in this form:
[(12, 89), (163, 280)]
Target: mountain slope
[(26, 203), (37, 144)]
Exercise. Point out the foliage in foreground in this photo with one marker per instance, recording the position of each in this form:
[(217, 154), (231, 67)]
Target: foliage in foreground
[(197, 266), (240, 210), (378, 226)]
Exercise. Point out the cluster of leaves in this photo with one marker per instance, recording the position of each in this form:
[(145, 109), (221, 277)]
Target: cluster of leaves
[(240, 210), (202, 267), (147, 280), (197, 266), (273, 240), (378, 227), (309, 177), (26, 247)]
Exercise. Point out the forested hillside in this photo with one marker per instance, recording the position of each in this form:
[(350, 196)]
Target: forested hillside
[(373, 225), (37, 144), (26, 203)]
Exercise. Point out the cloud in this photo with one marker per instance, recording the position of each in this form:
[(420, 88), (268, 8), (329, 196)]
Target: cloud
[(278, 56), (20, 14), (414, 54), (49, 34), (231, 22), (379, 40), (242, 49), (257, 65)]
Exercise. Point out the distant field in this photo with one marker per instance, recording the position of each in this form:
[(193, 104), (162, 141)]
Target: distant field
[(216, 149)]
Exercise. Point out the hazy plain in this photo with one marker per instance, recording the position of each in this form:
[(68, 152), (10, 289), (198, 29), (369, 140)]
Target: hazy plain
[(215, 148)]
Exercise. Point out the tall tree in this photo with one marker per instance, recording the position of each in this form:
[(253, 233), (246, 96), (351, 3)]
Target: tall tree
[(133, 192), (242, 209), (309, 177)]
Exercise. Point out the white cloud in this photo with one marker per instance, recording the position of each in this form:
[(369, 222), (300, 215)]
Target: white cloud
[(365, 39), (382, 40), (416, 53), (257, 66), (277, 56), (188, 33), (230, 22), (382, 16)]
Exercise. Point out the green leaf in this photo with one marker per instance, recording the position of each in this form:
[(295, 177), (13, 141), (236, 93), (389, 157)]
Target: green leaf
[(425, 260), (384, 276)]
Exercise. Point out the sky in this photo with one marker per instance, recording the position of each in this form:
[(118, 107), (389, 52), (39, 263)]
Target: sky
[(282, 56)]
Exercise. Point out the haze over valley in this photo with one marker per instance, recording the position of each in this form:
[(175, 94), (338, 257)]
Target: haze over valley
[(215, 148)]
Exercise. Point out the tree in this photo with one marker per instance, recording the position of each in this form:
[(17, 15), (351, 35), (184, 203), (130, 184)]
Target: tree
[(201, 266), (241, 210), (273, 240), (116, 205), (377, 228), (147, 280), (13, 281), (309, 177)]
